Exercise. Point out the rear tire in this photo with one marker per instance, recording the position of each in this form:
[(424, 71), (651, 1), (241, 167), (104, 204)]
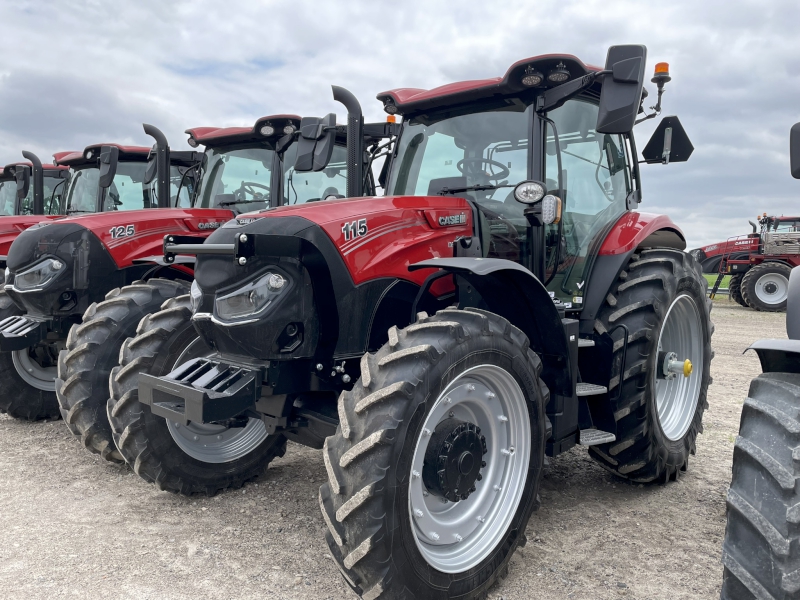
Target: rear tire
[(657, 420), (765, 287), (28, 398), (161, 453), (380, 519), (761, 550), (93, 350), (735, 290)]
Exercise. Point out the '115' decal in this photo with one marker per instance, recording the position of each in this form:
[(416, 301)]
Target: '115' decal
[(354, 229)]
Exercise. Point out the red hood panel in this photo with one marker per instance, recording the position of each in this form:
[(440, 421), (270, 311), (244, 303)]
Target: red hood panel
[(135, 234), (10, 227), (380, 237)]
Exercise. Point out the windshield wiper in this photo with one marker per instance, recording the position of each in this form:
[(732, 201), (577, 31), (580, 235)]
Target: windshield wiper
[(71, 211), (232, 202), (471, 188)]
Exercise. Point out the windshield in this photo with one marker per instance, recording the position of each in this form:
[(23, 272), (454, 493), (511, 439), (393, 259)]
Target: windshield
[(8, 194), (299, 188), (82, 190), (236, 178)]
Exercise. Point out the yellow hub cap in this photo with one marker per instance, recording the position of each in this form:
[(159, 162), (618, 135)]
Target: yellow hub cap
[(687, 368)]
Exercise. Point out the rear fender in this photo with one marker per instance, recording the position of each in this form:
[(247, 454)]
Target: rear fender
[(513, 292)]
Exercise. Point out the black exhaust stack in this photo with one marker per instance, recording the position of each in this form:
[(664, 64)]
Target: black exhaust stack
[(38, 182), (355, 141), (162, 164)]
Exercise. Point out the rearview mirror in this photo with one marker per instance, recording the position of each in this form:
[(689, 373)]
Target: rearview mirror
[(794, 150), (109, 156), (22, 174), (316, 142), (669, 143), (621, 93), (151, 170)]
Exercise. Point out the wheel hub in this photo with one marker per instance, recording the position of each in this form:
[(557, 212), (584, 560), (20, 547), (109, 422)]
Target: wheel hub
[(770, 288), (454, 459)]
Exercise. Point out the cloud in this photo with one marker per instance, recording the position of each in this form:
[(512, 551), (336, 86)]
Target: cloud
[(76, 73)]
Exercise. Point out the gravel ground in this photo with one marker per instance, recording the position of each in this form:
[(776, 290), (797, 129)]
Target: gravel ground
[(73, 526)]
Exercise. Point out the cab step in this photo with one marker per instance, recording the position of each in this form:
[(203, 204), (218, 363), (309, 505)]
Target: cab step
[(595, 437), (585, 343), (590, 389)]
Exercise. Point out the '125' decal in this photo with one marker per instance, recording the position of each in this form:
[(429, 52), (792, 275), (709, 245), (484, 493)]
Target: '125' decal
[(121, 231)]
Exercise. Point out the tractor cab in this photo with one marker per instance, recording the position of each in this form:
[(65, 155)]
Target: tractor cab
[(248, 169), (18, 191), (113, 177), (482, 140)]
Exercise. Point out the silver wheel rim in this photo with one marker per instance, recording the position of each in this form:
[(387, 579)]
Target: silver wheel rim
[(32, 373), (772, 288), (215, 444), (676, 398), (456, 536)]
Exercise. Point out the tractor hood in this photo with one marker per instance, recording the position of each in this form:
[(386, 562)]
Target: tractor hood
[(95, 253), (335, 257), (11, 226)]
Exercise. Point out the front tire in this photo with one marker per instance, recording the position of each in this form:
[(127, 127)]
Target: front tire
[(761, 550), (186, 459), (735, 290), (93, 350), (27, 388), (660, 299), (765, 287), (451, 408)]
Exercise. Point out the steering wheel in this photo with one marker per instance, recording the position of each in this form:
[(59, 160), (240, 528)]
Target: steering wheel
[(248, 187), (504, 171)]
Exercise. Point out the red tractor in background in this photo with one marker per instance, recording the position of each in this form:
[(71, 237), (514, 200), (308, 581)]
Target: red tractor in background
[(503, 302), (44, 296), (758, 263), (30, 192), (112, 271)]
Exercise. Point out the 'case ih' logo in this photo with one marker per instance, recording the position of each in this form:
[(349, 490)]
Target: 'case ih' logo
[(453, 220), (209, 225)]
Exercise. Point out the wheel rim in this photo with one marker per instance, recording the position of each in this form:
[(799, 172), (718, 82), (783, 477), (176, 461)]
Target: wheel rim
[(455, 536), (677, 397), (34, 374), (772, 288), (214, 443)]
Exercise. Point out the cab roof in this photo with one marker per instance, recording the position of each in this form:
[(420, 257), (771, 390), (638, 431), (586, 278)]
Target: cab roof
[(222, 136), (73, 159), (7, 172), (412, 100)]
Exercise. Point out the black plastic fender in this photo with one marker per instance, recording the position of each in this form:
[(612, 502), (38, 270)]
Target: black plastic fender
[(513, 292)]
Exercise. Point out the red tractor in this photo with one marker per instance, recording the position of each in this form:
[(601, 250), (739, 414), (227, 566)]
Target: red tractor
[(504, 302), (761, 550), (55, 273), (110, 268), (30, 192), (758, 264)]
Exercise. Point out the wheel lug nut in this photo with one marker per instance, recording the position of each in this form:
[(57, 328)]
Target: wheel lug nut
[(481, 519), (503, 418), (415, 474), (425, 493), (470, 388), (426, 431), (447, 400), (458, 538), (479, 477), (434, 536), (490, 394), (497, 488), (483, 463), (418, 513), (452, 414)]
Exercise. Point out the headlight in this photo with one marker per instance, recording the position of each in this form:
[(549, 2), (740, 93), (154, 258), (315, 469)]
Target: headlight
[(529, 192), (195, 296), (39, 275), (252, 298)]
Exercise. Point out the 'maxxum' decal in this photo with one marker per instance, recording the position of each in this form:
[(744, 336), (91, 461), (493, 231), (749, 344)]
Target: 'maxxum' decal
[(354, 229), (448, 220)]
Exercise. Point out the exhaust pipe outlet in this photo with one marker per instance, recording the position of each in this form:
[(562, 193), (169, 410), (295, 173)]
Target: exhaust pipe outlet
[(355, 141), (162, 164), (38, 182), (753, 225)]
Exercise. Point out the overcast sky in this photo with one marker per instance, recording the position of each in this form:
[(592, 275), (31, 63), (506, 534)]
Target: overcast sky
[(77, 73)]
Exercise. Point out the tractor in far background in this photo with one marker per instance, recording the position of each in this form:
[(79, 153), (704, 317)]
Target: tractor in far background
[(758, 263)]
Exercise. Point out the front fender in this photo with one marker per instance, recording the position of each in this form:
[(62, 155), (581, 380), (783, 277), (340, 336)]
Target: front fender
[(778, 356), (642, 230), (513, 292)]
